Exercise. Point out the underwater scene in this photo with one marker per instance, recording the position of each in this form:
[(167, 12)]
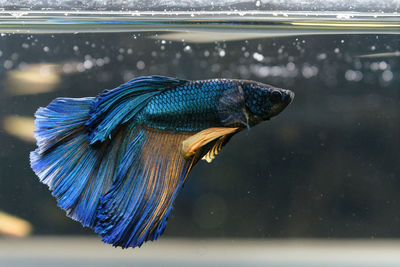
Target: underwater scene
[(325, 168)]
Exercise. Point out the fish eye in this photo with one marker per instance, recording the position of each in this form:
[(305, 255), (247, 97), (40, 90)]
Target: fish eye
[(276, 97)]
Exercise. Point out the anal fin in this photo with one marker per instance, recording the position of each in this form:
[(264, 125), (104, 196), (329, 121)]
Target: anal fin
[(151, 173)]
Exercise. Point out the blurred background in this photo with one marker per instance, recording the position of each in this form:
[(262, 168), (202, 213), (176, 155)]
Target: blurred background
[(327, 167)]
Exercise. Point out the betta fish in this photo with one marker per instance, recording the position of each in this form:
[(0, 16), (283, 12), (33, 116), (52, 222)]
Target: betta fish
[(116, 162)]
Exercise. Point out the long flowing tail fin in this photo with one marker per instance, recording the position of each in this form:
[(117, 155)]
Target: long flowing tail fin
[(65, 161), (124, 187), (93, 160)]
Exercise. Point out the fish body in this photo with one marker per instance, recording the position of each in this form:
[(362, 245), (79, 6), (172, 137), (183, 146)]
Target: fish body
[(116, 162), (197, 105), (192, 106)]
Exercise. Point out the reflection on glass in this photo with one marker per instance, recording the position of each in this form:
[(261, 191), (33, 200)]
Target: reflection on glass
[(21, 127), (14, 226)]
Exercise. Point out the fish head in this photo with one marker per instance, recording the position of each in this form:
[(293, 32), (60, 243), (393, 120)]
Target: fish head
[(265, 101)]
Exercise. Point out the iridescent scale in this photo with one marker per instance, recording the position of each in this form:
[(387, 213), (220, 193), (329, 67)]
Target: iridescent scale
[(190, 107)]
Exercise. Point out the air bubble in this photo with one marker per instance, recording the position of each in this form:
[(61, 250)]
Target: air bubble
[(257, 56), (290, 66), (374, 66), (309, 71), (387, 75), (383, 65), (263, 71), (67, 68), (106, 60), (140, 65), (353, 75), (322, 56), (14, 56), (8, 64), (187, 49), (99, 62), (87, 64), (80, 67)]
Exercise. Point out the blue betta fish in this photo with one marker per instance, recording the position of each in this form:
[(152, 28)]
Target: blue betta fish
[(116, 162)]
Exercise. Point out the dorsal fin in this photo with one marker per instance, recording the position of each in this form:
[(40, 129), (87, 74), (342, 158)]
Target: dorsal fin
[(117, 106)]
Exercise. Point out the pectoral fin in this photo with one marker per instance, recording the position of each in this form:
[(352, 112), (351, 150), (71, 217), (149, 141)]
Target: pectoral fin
[(216, 148), (207, 142)]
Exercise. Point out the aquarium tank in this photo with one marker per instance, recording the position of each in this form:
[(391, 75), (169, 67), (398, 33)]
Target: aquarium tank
[(317, 185)]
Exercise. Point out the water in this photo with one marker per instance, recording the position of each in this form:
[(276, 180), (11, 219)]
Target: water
[(327, 167), (239, 22)]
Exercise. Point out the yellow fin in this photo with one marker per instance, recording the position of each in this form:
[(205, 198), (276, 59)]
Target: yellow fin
[(192, 144), (213, 152)]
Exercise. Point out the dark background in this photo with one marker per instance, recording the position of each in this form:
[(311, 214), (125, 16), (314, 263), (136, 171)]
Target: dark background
[(327, 166)]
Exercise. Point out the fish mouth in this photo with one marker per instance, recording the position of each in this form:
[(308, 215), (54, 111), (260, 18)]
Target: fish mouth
[(289, 97)]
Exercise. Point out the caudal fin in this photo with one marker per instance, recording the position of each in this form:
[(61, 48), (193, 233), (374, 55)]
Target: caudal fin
[(124, 187), (64, 160)]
